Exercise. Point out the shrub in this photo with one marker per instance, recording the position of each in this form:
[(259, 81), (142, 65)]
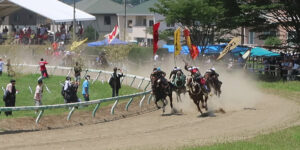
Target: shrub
[(272, 41), (89, 33)]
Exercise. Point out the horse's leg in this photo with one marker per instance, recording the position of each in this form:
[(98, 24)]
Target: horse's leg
[(156, 104), (164, 105), (198, 105), (205, 100), (171, 101)]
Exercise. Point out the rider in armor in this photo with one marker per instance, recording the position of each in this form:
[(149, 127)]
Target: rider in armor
[(157, 76), (174, 73), (195, 73)]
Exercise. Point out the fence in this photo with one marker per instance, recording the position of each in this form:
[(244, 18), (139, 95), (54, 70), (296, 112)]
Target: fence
[(97, 102)]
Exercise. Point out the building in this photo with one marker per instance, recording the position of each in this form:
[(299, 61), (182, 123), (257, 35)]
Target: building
[(105, 12)]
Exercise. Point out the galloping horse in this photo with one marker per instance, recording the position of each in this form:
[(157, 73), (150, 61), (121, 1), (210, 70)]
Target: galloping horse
[(214, 83), (179, 85), (162, 89), (197, 94)]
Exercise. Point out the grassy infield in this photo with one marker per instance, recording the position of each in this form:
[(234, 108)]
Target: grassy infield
[(25, 98), (288, 139)]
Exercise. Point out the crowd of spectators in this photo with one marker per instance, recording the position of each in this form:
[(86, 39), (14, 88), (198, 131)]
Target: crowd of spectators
[(38, 35)]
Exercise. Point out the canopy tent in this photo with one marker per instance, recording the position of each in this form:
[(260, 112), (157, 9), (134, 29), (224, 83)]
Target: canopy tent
[(51, 9), (105, 43), (261, 52), (210, 49)]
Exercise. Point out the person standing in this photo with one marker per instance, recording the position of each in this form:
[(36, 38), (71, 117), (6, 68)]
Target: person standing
[(66, 90), (43, 68), (77, 70), (85, 88), (115, 82), (10, 96), (1, 66), (38, 94)]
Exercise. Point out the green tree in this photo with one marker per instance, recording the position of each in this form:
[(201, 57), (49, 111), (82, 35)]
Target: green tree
[(272, 41), (202, 17), (265, 15), (90, 33)]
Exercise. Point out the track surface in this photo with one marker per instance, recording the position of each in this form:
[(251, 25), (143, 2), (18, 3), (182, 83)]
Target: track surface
[(154, 131)]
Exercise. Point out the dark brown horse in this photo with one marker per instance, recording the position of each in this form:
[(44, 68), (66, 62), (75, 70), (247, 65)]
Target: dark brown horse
[(198, 95), (214, 83), (161, 90)]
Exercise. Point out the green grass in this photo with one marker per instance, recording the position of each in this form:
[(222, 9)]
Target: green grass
[(292, 86), (288, 139), (25, 98)]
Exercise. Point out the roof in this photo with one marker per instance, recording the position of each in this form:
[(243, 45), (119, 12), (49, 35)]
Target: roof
[(142, 9), (100, 6), (54, 10)]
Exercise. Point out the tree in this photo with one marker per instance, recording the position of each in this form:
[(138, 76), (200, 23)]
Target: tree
[(202, 17), (272, 41), (264, 15)]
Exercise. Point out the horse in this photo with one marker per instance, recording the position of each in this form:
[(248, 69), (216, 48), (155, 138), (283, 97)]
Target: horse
[(198, 95), (179, 85), (161, 90), (214, 83)]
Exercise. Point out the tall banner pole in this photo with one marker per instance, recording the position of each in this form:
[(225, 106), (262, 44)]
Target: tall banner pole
[(177, 44)]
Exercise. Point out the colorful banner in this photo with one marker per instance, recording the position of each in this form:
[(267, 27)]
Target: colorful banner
[(75, 44), (111, 36), (155, 37), (231, 45), (194, 52), (177, 44)]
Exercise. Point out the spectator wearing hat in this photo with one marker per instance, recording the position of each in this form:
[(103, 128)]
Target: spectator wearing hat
[(115, 82), (10, 96), (85, 88), (38, 93)]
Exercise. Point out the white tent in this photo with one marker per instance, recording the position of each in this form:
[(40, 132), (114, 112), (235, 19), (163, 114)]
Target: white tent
[(51, 9)]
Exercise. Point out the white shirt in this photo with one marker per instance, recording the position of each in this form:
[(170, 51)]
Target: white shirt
[(38, 93), (296, 66), (67, 84)]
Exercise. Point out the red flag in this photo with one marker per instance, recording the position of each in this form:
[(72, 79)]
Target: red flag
[(155, 37), (194, 52), (192, 48), (111, 36)]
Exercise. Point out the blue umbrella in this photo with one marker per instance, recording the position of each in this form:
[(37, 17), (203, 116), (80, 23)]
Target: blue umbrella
[(105, 43)]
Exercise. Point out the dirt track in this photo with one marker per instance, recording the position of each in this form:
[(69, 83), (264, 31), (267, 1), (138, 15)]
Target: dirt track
[(153, 131)]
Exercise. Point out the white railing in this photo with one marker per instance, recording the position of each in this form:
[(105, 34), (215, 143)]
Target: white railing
[(97, 102)]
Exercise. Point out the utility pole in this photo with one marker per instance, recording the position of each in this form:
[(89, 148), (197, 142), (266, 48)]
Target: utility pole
[(74, 22), (125, 21)]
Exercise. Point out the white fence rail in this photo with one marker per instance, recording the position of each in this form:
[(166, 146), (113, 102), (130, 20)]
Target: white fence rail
[(92, 102)]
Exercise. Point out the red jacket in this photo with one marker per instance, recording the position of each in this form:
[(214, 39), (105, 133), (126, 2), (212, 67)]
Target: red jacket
[(43, 65)]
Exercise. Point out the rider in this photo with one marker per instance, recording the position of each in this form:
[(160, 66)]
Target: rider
[(195, 73), (197, 77), (214, 75), (174, 73), (157, 76)]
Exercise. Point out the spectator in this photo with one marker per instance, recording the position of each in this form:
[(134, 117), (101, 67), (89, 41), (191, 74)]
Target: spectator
[(66, 90), (85, 88), (73, 92), (10, 96), (5, 30), (1, 66), (43, 68), (38, 93), (115, 82), (77, 70)]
